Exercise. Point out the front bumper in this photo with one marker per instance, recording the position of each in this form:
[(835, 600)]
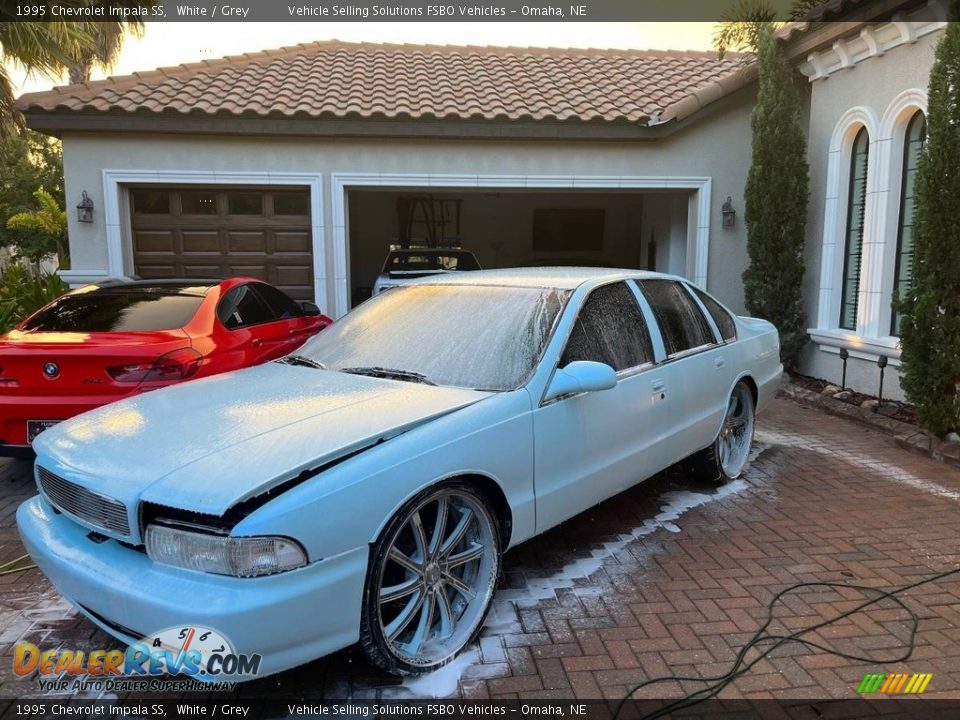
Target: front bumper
[(289, 618)]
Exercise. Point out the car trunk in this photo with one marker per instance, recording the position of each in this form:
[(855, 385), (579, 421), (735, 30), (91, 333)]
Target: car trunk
[(41, 363)]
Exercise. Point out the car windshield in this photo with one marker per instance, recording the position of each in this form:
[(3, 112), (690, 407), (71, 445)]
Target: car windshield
[(399, 262), (470, 336), (133, 311)]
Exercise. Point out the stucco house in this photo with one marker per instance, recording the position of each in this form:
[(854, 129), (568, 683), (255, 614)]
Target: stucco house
[(305, 165)]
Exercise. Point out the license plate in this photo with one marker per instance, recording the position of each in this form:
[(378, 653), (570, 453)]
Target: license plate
[(35, 427)]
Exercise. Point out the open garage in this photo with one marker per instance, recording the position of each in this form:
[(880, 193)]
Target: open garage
[(516, 227)]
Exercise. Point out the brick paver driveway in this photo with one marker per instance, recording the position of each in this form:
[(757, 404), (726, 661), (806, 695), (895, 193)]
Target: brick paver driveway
[(668, 578)]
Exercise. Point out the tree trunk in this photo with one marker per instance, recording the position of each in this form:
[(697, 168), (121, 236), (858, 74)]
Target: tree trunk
[(80, 72)]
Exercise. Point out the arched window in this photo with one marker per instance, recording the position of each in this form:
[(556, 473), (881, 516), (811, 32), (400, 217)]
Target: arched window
[(853, 248), (903, 272)]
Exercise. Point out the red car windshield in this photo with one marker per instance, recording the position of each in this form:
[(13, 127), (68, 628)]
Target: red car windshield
[(115, 311)]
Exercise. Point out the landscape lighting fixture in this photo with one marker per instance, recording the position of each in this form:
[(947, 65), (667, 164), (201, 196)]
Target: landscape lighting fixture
[(881, 363)]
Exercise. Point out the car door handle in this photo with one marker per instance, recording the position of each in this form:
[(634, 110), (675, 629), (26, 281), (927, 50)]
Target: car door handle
[(719, 362), (658, 385), (256, 342)]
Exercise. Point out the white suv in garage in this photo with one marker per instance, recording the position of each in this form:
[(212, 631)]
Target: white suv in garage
[(402, 266)]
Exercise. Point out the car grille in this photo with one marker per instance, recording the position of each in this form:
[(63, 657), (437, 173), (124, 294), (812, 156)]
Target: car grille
[(100, 511)]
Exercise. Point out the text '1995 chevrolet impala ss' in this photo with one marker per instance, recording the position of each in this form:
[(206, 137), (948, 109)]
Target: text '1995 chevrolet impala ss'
[(365, 488)]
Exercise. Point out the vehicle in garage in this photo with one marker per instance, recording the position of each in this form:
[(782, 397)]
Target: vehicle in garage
[(371, 482), (404, 266), (104, 342)]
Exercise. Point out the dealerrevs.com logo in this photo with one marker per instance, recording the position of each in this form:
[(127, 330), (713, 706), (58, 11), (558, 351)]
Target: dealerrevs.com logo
[(198, 657)]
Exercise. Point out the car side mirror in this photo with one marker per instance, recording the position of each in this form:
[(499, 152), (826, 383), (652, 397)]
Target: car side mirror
[(581, 376), (310, 308)]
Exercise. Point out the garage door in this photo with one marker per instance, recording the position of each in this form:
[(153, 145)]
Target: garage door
[(219, 232)]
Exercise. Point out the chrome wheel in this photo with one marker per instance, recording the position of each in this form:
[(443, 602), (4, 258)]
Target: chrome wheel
[(436, 578), (736, 434)]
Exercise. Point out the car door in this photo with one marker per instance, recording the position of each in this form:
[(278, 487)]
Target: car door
[(294, 326), (589, 446), (258, 334), (694, 377)]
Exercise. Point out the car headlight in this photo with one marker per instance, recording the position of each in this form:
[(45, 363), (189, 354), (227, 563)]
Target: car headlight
[(222, 554)]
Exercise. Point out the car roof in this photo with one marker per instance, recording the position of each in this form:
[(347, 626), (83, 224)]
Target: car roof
[(564, 278), (173, 286), (430, 251)]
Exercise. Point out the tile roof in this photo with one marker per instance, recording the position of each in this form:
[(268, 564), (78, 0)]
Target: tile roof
[(342, 80)]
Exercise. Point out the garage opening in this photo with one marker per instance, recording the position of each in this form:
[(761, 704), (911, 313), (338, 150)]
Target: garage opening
[(516, 228), (216, 232)]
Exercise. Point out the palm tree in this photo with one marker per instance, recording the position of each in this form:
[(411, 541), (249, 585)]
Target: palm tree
[(47, 47), (743, 22), (53, 48), (107, 43)]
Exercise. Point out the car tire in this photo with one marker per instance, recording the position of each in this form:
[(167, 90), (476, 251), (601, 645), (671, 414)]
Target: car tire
[(430, 580), (727, 456)]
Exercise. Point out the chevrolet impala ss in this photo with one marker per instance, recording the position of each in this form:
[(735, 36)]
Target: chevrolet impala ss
[(364, 488)]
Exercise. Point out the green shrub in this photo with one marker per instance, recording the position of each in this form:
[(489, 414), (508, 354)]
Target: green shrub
[(930, 332), (22, 293), (776, 202), (41, 232)]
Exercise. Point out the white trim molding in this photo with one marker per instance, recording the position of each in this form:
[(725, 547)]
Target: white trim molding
[(858, 346), (873, 41), (698, 233), (118, 231), (880, 225), (74, 278), (835, 209)]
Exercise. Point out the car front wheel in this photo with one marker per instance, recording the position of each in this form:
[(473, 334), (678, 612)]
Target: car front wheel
[(430, 581)]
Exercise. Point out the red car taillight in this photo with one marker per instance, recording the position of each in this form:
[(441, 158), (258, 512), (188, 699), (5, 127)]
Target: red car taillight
[(174, 366)]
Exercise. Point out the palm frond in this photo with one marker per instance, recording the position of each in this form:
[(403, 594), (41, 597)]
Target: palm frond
[(741, 24)]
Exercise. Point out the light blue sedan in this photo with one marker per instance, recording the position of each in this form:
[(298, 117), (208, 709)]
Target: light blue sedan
[(365, 488)]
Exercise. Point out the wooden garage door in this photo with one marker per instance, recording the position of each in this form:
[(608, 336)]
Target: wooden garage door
[(219, 232)]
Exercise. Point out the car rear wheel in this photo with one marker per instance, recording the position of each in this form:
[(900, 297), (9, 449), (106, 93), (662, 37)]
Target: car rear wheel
[(726, 458), (430, 581)]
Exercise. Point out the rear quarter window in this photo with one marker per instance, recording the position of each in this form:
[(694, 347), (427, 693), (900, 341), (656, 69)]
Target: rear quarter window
[(281, 305), (723, 319), (116, 312)]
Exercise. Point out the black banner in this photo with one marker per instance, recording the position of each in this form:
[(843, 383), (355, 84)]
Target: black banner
[(402, 10), (890, 709)]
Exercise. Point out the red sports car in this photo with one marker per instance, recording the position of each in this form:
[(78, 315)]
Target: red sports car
[(118, 338)]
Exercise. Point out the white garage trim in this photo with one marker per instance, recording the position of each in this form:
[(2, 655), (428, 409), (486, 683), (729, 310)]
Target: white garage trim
[(341, 182), (119, 249)]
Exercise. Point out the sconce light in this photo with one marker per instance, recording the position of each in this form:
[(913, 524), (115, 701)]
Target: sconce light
[(729, 214), (85, 209)]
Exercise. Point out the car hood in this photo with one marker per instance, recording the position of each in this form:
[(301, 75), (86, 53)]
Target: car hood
[(207, 444)]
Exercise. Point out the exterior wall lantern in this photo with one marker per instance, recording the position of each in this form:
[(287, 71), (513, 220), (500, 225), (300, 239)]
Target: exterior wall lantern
[(729, 214), (85, 209)]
